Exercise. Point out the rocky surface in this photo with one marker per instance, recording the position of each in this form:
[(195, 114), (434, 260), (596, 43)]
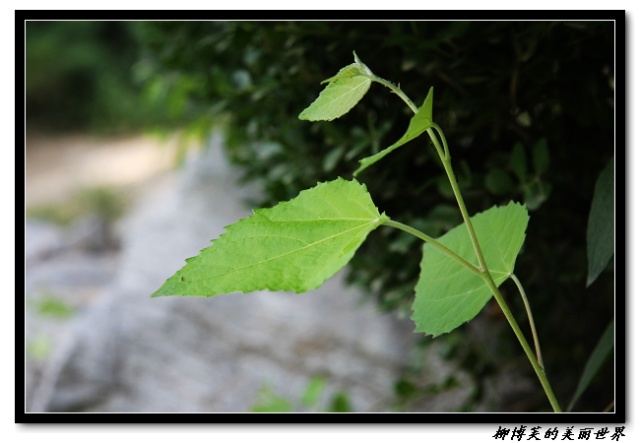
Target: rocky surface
[(122, 351)]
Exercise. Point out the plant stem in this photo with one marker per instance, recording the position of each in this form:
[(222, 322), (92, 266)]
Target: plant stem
[(486, 276), (483, 270), (536, 343), (537, 367), (399, 92), (539, 370), (446, 162), (444, 141), (439, 246)]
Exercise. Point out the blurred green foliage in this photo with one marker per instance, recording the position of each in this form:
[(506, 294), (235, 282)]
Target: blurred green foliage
[(108, 204), (527, 108), (80, 77), (311, 400), (49, 305), (39, 348)]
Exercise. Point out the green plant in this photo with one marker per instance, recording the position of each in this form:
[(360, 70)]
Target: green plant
[(310, 400), (49, 305), (298, 244), (106, 203), (501, 86)]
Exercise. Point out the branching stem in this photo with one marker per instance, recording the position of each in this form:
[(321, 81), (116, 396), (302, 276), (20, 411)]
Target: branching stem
[(539, 370), (446, 162), (482, 270), (537, 366), (536, 342), (432, 241), (399, 92)]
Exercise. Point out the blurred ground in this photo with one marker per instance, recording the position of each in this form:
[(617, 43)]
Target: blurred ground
[(59, 166)]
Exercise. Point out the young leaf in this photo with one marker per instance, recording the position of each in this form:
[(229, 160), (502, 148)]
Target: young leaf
[(600, 229), (294, 246), (349, 71), (447, 293), (419, 123), (343, 92), (498, 182)]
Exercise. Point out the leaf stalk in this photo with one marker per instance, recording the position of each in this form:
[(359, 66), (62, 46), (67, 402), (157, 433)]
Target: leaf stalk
[(432, 241), (399, 92), (482, 270), (535, 363), (534, 333), (539, 370)]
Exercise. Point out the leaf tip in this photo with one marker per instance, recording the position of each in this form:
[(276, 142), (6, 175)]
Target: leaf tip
[(304, 116), (159, 293)]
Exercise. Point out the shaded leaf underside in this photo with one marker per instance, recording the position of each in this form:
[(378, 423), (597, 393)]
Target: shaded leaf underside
[(448, 294)]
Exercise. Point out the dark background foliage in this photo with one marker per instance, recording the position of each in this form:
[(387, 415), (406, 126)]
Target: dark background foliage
[(80, 76), (527, 108)]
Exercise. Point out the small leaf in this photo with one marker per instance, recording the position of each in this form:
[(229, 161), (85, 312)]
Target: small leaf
[(498, 182), (405, 389), (51, 306), (595, 362), (419, 123), (447, 293), (518, 161), (536, 193), (343, 92), (294, 246), (340, 403), (313, 391), (541, 156), (270, 402), (600, 228)]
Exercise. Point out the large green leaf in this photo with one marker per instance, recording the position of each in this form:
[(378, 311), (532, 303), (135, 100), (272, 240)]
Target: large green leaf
[(419, 123), (294, 246), (600, 229), (447, 293), (343, 92)]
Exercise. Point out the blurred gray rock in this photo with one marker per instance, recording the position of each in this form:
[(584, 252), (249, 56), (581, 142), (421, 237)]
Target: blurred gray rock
[(126, 352), (61, 279), (42, 239)]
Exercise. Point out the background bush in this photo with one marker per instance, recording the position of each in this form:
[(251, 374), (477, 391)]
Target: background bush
[(527, 108), (80, 76)]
